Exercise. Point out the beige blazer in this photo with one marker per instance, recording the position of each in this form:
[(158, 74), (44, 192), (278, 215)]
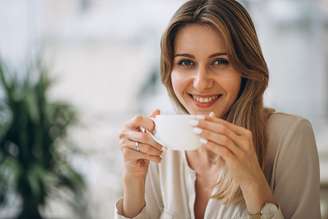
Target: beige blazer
[(292, 167)]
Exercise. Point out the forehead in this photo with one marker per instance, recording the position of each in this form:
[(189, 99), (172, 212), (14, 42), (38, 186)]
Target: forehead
[(200, 38)]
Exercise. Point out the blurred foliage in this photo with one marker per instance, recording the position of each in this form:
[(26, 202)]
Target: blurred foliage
[(32, 132)]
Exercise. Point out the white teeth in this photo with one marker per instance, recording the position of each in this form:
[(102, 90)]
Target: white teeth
[(205, 99)]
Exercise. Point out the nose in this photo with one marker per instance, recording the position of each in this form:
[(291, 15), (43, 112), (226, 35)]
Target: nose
[(202, 79)]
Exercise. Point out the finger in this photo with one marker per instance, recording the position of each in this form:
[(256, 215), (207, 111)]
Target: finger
[(219, 139), (152, 115), (132, 155), (155, 113), (237, 129), (144, 148), (247, 138), (218, 128), (142, 137), (141, 121)]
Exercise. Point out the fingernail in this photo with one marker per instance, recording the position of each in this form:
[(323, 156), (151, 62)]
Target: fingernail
[(203, 140), (197, 130), (142, 129), (163, 149), (199, 117), (193, 122)]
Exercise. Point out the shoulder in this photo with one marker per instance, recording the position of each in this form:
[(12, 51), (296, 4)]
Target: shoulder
[(284, 121), (283, 126), (293, 165), (288, 136)]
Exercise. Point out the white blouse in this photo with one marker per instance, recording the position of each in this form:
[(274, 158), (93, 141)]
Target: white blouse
[(291, 167)]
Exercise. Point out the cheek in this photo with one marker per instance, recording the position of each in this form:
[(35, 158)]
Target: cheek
[(179, 82), (230, 82), (232, 85)]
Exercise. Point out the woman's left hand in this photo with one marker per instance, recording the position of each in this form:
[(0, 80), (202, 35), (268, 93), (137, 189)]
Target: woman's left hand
[(235, 146)]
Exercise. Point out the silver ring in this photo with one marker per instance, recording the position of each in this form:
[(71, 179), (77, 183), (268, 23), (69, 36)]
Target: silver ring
[(137, 146)]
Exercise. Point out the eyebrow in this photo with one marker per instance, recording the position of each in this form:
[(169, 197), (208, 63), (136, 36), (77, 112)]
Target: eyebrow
[(191, 56)]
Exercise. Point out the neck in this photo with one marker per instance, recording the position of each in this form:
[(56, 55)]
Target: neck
[(201, 159)]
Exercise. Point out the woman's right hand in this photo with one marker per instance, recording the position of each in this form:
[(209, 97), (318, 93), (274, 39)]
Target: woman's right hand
[(136, 162)]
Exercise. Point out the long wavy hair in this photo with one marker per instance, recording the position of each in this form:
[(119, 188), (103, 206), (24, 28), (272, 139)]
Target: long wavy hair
[(234, 23)]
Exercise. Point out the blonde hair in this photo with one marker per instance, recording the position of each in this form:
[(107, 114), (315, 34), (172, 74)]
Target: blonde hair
[(234, 23)]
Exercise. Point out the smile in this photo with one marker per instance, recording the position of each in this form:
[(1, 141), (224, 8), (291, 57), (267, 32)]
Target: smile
[(205, 101)]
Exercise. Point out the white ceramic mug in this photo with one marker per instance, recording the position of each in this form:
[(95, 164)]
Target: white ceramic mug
[(175, 132)]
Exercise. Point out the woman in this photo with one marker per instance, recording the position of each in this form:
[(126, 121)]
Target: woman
[(253, 162)]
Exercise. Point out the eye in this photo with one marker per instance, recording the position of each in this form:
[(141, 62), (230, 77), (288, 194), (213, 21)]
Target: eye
[(221, 61), (186, 63)]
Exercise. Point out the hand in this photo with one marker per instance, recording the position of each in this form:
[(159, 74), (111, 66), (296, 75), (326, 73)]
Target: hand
[(235, 146), (136, 162)]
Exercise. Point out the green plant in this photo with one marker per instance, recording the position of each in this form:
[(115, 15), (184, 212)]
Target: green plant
[(32, 134)]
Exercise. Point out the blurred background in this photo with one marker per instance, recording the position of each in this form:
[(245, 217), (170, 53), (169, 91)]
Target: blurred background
[(104, 55)]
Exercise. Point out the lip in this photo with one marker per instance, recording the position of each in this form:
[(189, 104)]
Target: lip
[(204, 95), (205, 105)]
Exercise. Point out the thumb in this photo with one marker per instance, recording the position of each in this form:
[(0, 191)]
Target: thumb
[(155, 113)]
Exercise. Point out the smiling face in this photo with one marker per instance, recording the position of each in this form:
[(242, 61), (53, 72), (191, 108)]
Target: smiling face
[(202, 77)]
